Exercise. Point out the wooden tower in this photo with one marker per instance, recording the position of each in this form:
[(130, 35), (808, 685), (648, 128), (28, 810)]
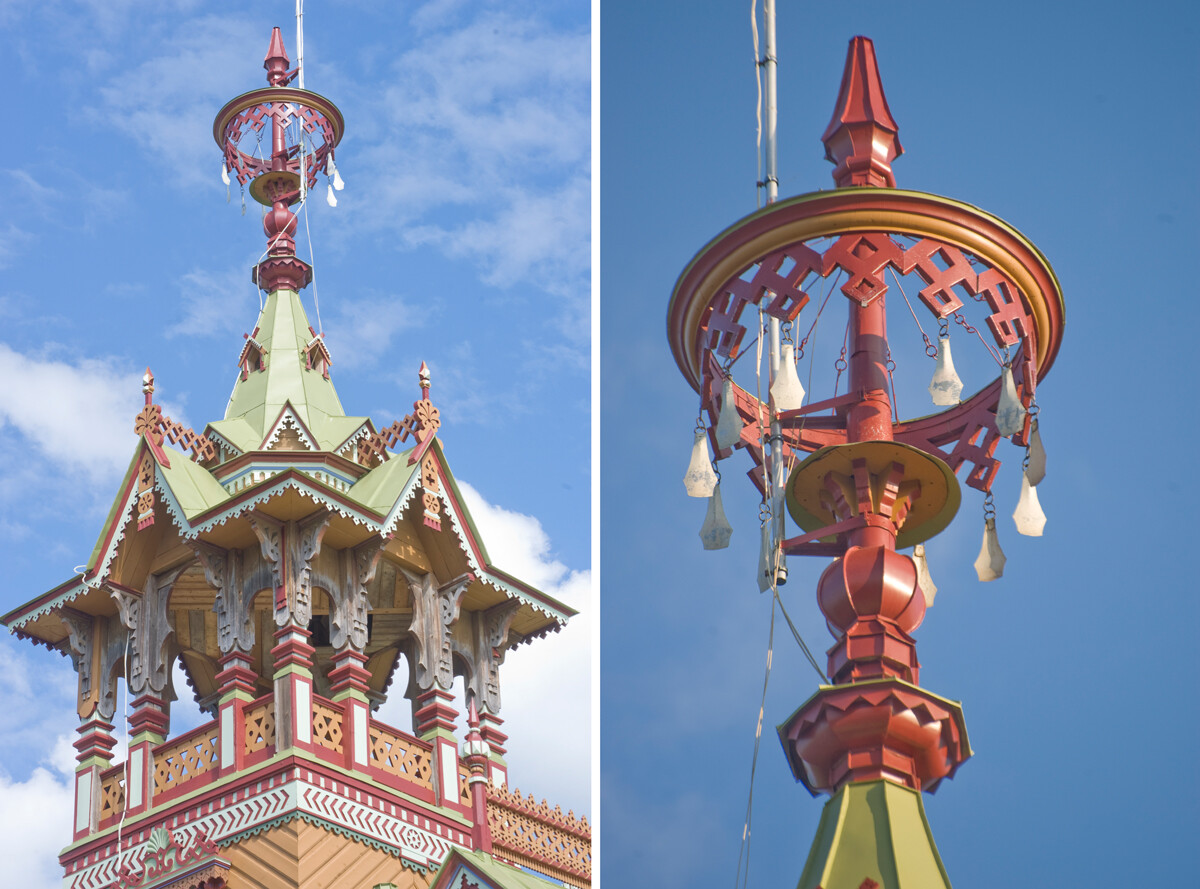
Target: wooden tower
[(289, 557)]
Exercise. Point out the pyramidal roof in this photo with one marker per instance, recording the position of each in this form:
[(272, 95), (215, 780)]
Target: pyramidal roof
[(285, 365)]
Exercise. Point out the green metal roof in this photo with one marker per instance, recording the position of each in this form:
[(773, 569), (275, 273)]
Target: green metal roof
[(876, 830), (257, 401), (495, 874)]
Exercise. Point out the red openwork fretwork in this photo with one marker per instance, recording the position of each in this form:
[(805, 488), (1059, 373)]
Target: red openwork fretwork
[(864, 258), (939, 296), (249, 124), (1009, 319)]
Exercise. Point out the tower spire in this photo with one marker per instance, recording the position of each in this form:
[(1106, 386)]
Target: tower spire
[(861, 138)]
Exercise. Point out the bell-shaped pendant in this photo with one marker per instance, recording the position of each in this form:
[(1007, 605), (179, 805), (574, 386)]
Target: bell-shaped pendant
[(700, 478), (989, 564), (716, 530), (729, 422), (786, 391), (330, 199), (225, 179), (924, 581), (337, 177), (946, 385), (1036, 470), (1010, 413), (1028, 515)]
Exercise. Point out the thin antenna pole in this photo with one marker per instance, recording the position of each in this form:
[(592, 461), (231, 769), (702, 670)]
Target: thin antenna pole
[(771, 64), (300, 44)]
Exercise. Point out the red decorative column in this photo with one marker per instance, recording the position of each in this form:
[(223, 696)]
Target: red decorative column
[(477, 755), (293, 688), (95, 745), (236, 684), (489, 730), (435, 725), (348, 679), (149, 725)]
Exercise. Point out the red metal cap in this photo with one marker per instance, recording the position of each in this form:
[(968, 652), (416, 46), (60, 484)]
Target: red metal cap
[(277, 60), (861, 139)]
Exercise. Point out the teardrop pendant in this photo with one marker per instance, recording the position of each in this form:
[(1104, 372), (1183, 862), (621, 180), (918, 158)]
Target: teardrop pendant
[(700, 480), (729, 423), (1028, 516), (787, 391), (716, 530), (1010, 413), (989, 564), (924, 581), (1036, 470), (945, 386)]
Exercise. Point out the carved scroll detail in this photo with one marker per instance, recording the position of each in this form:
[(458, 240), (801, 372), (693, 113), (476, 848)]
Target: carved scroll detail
[(144, 615), (303, 543), (490, 638), (225, 571), (81, 641), (348, 622), (434, 612)]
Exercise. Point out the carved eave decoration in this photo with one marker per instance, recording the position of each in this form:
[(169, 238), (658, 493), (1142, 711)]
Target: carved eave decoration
[(395, 503)]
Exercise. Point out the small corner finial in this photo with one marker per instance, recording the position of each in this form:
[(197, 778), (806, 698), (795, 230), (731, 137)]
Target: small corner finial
[(148, 385), (472, 714), (423, 375), (277, 60), (861, 139)]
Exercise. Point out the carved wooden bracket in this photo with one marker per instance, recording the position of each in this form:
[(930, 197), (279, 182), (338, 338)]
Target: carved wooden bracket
[(356, 569), (144, 615), (435, 610), (225, 571), (290, 548), (489, 640), (85, 657)]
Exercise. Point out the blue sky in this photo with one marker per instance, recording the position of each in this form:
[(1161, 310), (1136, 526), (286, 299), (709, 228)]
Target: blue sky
[(1077, 669), (462, 238)]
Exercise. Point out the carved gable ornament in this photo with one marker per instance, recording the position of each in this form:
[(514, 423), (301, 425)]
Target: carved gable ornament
[(168, 864)]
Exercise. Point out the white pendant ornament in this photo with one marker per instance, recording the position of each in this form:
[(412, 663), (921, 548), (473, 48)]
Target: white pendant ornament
[(337, 177), (786, 391), (1036, 470), (1010, 413), (716, 530), (924, 581), (330, 199), (1028, 515), (700, 480), (764, 559), (729, 423), (225, 179), (946, 386), (989, 564)]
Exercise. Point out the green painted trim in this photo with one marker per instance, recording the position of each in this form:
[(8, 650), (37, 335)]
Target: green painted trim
[(284, 672), (142, 737), (433, 734), (97, 762)]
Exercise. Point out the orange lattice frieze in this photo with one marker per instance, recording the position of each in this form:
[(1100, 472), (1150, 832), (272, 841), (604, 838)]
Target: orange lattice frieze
[(112, 793), (152, 425), (405, 758), (541, 838), (327, 727), (421, 425), (185, 759), (260, 727)]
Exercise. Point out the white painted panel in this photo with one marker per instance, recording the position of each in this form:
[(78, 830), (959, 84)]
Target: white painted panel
[(303, 712), (227, 751), (360, 735), (83, 799), (134, 778)]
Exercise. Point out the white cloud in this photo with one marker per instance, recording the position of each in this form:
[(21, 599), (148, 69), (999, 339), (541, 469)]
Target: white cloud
[(367, 327), (78, 414), (35, 823), (216, 304), (545, 685)]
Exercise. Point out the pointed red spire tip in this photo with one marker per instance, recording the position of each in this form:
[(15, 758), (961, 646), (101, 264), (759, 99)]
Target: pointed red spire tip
[(277, 60), (862, 139)]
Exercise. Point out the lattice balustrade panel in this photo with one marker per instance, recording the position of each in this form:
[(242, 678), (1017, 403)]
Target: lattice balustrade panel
[(464, 789), (540, 837), (260, 726), (404, 757), (112, 793), (327, 727), (184, 759)]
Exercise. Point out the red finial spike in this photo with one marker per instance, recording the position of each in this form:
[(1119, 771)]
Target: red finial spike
[(472, 712), (148, 385), (277, 60), (861, 138)]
